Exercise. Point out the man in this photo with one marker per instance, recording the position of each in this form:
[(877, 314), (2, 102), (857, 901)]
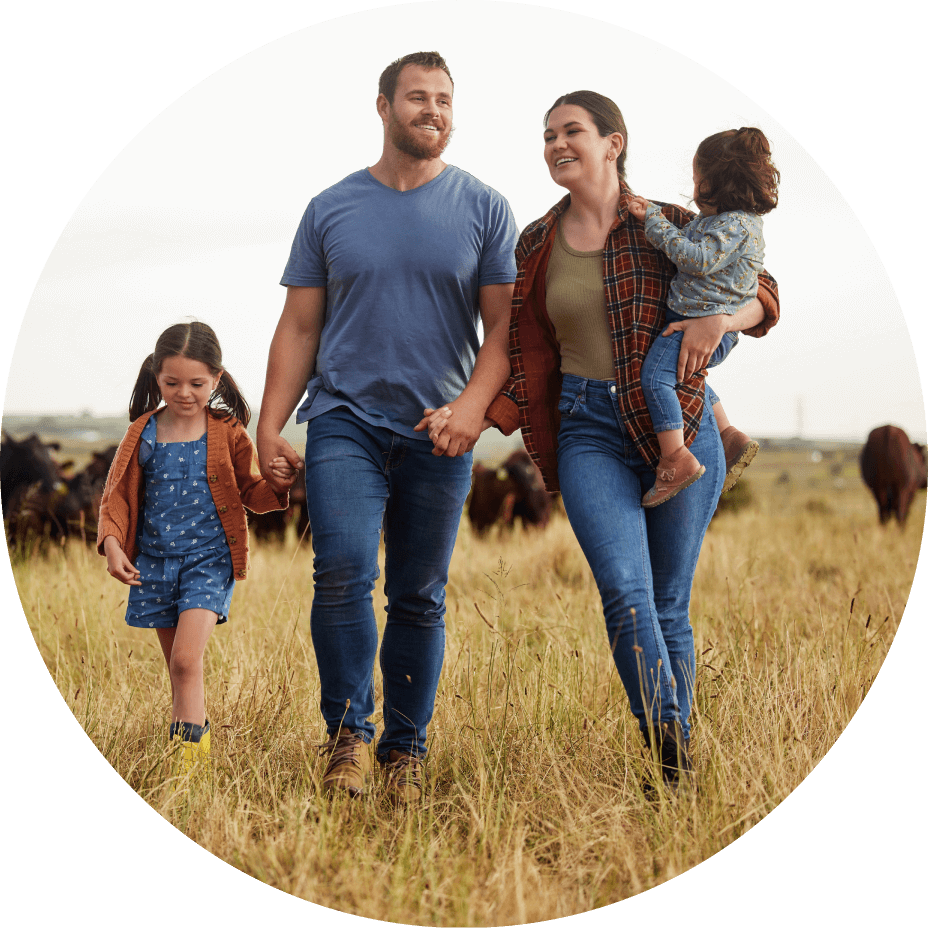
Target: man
[(388, 273)]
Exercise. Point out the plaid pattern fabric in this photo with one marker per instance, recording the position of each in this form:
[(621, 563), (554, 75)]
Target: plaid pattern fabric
[(637, 280)]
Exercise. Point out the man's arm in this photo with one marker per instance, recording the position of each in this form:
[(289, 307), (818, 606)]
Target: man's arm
[(291, 360), (465, 422)]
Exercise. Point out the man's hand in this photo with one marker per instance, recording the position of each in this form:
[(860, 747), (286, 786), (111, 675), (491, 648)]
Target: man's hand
[(271, 448), (454, 428), (701, 336)]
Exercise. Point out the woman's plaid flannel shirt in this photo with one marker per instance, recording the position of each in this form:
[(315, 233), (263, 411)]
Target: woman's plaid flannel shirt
[(637, 279)]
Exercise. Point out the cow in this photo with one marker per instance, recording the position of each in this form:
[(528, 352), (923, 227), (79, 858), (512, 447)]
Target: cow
[(272, 526), (513, 490), (79, 510), (894, 468), (31, 486)]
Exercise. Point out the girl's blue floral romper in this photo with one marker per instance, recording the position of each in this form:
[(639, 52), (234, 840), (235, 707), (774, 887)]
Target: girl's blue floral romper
[(184, 558)]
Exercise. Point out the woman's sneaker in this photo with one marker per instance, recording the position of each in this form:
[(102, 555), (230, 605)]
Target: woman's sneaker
[(674, 473)]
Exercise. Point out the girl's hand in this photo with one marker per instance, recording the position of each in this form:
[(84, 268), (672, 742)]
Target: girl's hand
[(271, 448), (118, 565), (638, 207), (281, 468)]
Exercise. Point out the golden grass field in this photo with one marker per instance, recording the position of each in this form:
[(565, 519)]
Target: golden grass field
[(534, 808)]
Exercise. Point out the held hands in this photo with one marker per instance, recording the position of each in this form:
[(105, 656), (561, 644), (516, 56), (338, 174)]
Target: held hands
[(455, 436), (281, 469), (638, 207), (278, 461), (117, 564)]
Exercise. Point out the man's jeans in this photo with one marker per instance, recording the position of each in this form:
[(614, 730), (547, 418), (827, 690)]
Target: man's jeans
[(643, 560), (359, 478)]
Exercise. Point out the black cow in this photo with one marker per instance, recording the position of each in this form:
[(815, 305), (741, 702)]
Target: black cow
[(79, 510), (894, 468), (31, 486), (513, 490)]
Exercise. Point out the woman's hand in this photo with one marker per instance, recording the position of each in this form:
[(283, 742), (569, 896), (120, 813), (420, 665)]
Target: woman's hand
[(701, 336), (434, 420), (117, 564), (453, 438), (638, 207)]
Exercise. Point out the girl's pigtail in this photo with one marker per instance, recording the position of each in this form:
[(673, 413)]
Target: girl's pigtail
[(233, 403), (146, 395)]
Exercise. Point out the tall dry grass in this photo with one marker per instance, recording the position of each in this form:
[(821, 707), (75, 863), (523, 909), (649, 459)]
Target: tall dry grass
[(535, 808)]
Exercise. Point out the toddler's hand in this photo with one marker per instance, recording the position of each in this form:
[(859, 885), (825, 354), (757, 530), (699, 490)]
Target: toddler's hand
[(638, 207)]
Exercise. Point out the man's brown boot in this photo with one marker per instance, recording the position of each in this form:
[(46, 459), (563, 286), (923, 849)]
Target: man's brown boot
[(349, 763), (402, 778)]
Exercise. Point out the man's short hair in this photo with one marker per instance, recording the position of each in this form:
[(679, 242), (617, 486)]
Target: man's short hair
[(391, 75)]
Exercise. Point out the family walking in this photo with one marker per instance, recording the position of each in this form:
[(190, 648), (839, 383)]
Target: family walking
[(599, 322)]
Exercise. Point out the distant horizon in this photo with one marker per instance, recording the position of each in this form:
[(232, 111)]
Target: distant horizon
[(489, 437)]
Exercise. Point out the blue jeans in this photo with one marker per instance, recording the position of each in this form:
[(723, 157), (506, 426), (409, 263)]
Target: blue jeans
[(642, 559), (359, 478), (659, 376)]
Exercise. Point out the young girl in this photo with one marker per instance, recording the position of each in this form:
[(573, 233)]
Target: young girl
[(717, 256), (172, 524)]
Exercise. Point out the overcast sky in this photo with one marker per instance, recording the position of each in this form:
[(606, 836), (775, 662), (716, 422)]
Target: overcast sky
[(195, 216)]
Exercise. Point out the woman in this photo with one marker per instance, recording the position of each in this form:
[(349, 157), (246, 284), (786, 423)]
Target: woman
[(576, 393)]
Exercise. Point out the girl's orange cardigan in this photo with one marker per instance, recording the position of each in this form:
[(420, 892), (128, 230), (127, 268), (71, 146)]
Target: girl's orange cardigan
[(235, 481)]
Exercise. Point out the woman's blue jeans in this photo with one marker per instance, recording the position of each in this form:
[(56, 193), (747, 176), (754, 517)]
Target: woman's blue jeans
[(359, 478), (643, 560), (659, 376)]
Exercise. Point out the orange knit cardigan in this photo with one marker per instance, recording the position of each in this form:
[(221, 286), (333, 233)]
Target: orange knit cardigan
[(235, 481)]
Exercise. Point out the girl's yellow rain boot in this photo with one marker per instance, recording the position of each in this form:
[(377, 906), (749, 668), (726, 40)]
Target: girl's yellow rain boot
[(192, 747)]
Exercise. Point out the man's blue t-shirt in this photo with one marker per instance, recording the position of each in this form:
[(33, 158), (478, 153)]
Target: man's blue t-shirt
[(402, 272)]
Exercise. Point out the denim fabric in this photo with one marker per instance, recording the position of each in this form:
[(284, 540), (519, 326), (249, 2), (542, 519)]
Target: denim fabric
[(201, 579), (360, 477), (642, 559), (659, 376)]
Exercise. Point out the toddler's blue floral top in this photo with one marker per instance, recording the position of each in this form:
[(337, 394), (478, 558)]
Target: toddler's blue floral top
[(717, 258), (178, 514)]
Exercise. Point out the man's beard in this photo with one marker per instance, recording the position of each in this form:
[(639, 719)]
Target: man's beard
[(412, 142)]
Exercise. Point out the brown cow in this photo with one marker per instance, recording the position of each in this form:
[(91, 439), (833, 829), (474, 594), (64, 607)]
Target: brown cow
[(513, 490), (894, 468)]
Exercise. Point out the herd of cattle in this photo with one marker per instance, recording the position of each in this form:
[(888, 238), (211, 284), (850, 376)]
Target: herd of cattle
[(45, 498)]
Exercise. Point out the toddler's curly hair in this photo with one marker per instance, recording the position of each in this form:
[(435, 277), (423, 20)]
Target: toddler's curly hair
[(736, 172)]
